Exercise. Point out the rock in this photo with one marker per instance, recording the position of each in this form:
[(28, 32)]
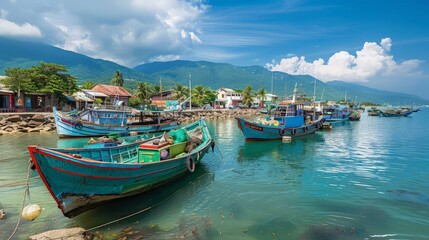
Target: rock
[(23, 130), (13, 118), (8, 129), (65, 234), (38, 118), (34, 130), (33, 123), (22, 124)]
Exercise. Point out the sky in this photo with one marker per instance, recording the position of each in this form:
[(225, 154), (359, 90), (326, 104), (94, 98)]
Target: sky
[(382, 44)]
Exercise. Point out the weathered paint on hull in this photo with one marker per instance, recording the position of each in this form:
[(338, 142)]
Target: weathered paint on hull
[(68, 127), (80, 179), (255, 131), (385, 114)]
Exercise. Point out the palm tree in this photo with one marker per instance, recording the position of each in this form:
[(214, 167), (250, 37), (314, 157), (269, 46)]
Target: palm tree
[(118, 78), (180, 92), (87, 85), (199, 93), (261, 93), (143, 91), (247, 95)]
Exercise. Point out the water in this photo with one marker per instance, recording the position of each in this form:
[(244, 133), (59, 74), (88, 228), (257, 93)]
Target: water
[(362, 180)]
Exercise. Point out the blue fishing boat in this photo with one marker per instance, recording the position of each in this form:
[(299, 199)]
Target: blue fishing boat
[(397, 113), (102, 121), (336, 113), (285, 120), (82, 178)]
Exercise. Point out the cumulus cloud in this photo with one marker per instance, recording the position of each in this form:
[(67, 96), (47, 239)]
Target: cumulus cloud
[(8, 28), (128, 31), (371, 61)]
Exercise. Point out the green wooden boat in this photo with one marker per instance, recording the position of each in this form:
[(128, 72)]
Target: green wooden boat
[(82, 178)]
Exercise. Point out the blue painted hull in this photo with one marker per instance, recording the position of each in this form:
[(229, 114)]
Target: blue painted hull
[(256, 131), (341, 118), (72, 127), (402, 114), (80, 179)]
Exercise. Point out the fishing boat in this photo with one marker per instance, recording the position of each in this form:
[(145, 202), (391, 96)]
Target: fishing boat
[(104, 120), (373, 112), (336, 113), (82, 178), (285, 120), (354, 115), (396, 113)]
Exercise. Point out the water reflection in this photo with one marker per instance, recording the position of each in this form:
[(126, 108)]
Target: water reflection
[(156, 200)]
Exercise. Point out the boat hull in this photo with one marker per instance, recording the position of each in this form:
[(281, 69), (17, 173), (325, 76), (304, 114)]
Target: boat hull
[(403, 114), (72, 127), (78, 183), (256, 131)]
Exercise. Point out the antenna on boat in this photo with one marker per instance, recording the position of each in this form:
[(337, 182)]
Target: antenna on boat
[(190, 92), (295, 91), (314, 100)]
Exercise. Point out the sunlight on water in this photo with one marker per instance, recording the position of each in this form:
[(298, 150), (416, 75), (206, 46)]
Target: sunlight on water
[(362, 180)]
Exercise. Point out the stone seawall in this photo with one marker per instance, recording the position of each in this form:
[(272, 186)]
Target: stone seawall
[(187, 116), (44, 122), (26, 122)]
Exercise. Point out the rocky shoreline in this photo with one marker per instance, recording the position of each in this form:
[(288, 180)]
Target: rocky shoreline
[(26, 123), (44, 122)]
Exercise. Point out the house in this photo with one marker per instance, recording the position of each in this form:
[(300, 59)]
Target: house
[(161, 99), (13, 102), (227, 98), (114, 93), (92, 94), (78, 100), (6, 99)]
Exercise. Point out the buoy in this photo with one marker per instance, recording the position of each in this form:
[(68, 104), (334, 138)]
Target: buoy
[(31, 212), (286, 138), (2, 214)]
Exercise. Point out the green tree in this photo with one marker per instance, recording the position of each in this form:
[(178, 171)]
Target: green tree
[(19, 80), (247, 95), (180, 91), (118, 78), (261, 93), (199, 95), (53, 79), (155, 89), (87, 85), (134, 102), (143, 91), (210, 96)]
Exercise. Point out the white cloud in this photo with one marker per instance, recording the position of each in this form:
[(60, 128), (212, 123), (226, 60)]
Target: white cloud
[(8, 28), (132, 30), (371, 61), (164, 58)]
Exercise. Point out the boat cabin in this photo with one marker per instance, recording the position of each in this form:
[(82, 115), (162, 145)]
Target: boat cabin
[(336, 111), (112, 117), (290, 115)]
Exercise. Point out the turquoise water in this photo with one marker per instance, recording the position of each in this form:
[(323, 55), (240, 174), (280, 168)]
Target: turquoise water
[(362, 180)]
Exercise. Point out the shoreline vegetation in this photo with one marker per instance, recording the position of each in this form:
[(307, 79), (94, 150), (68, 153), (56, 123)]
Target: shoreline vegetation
[(16, 123)]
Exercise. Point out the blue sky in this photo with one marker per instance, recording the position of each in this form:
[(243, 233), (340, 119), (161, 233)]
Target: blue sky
[(382, 44)]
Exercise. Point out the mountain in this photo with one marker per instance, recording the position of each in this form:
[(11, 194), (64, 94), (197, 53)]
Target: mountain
[(15, 53), (217, 75)]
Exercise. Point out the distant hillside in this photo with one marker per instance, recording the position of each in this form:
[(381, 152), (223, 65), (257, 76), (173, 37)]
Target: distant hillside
[(216, 75), (14, 53)]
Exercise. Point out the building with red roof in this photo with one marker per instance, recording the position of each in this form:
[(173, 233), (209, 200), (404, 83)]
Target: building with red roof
[(115, 93)]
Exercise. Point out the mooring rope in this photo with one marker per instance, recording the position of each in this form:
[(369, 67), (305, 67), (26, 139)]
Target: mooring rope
[(27, 191)]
